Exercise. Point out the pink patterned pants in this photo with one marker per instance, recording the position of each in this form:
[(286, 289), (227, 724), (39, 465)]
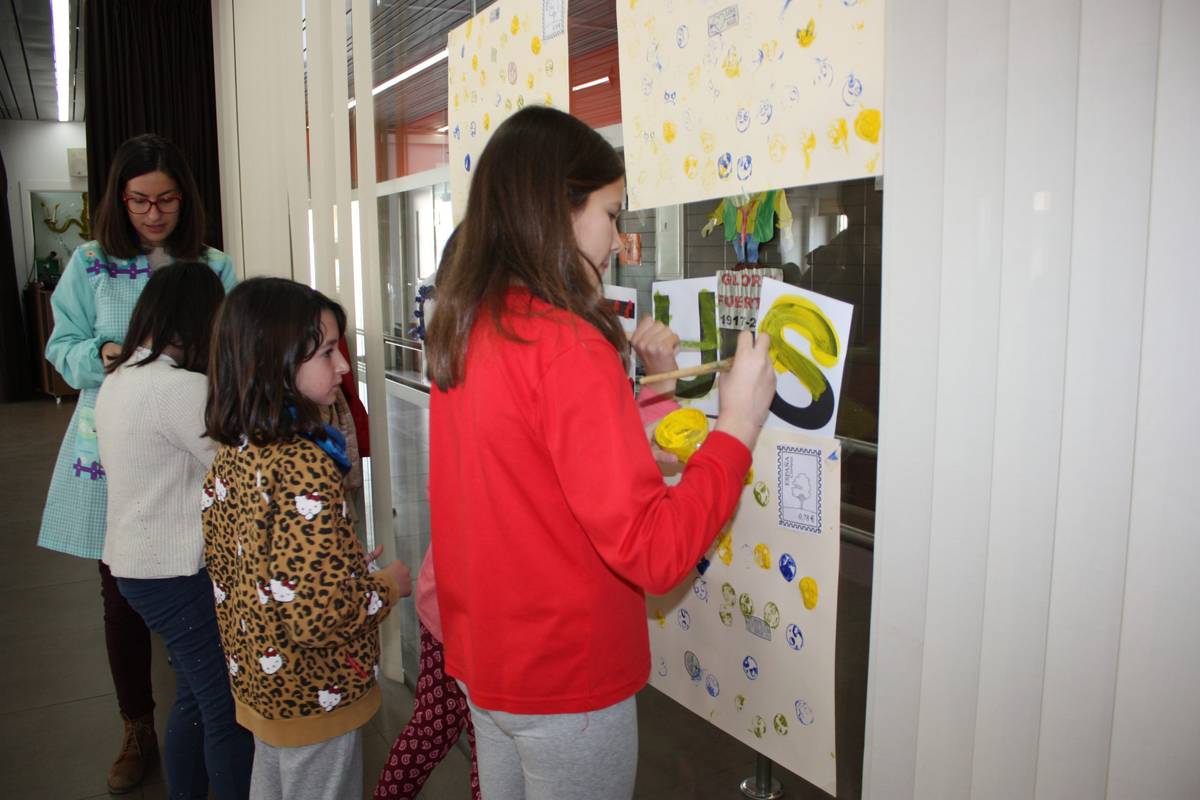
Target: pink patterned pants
[(439, 715)]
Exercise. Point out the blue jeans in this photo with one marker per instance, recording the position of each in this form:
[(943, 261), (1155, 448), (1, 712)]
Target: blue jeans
[(204, 741)]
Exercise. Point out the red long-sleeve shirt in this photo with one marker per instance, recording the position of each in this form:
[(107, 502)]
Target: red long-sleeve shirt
[(550, 516)]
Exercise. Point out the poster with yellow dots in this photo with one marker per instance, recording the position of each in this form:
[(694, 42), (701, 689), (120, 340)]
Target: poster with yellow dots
[(720, 98), (511, 55), (747, 640)]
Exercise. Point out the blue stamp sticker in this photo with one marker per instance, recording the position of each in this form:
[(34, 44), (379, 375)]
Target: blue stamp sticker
[(787, 567), (750, 667), (794, 637), (712, 685), (691, 663), (685, 619), (799, 490)]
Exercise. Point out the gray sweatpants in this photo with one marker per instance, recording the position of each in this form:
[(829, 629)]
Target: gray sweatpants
[(588, 756), (329, 770)]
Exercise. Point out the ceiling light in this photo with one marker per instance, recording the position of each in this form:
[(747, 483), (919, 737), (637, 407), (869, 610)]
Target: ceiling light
[(443, 129), (60, 13), (408, 73), (590, 84)]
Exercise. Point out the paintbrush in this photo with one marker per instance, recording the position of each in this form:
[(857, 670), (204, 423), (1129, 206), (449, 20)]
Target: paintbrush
[(689, 372)]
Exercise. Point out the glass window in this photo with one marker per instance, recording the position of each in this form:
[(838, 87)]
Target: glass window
[(834, 249)]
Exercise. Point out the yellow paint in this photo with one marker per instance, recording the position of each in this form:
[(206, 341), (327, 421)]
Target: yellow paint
[(708, 142), (725, 547), (749, 477), (669, 131), (487, 121), (529, 80), (732, 65), (839, 135), (809, 591), (867, 125), (504, 40), (691, 167), (483, 77), (660, 618), (858, 26), (762, 555), (777, 148), (809, 144), (682, 432), (515, 27), (806, 35), (739, 702), (508, 104), (728, 593), (746, 605), (536, 45), (873, 164), (792, 312), (770, 50), (470, 23), (548, 99), (474, 61), (708, 177), (693, 78), (456, 101)]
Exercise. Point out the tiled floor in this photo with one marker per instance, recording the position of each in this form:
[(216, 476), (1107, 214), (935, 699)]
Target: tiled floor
[(59, 726)]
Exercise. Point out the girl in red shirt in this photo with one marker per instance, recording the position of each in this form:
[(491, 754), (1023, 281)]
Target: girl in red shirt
[(549, 515)]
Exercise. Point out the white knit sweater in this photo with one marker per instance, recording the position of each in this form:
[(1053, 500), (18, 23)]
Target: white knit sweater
[(150, 425)]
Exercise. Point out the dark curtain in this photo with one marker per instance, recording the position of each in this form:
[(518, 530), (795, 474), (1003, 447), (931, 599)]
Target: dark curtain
[(16, 376), (150, 70)]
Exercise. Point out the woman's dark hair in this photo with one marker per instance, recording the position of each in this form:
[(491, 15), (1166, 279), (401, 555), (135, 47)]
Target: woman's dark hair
[(539, 166), (177, 307), (267, 328), (138, 156)]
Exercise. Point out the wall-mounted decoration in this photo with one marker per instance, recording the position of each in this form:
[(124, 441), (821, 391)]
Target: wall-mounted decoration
[(809, 335), (511, 55), (721, 99), (61, 222), (748, 640)]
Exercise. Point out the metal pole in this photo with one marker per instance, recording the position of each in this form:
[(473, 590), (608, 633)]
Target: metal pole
[(762, 786)]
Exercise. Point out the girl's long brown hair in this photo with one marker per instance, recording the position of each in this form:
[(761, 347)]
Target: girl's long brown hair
[(538, 168)]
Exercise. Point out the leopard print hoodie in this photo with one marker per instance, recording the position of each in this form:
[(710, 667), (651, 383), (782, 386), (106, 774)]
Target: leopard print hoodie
[(298, 612)]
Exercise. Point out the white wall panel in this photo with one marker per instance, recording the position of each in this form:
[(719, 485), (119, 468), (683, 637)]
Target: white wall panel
[(1032, 625), (972, 231), (1100, 396), (1038, 193), (1156, 720), (912, 246)]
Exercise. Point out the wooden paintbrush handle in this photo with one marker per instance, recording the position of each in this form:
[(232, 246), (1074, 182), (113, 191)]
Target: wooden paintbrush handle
[(689, 372)]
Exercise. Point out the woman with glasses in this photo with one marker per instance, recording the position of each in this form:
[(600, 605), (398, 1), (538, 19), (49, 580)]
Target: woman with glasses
[(150, 215)]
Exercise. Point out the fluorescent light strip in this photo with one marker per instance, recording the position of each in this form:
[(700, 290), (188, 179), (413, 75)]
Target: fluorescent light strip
[(60, 12), (408, 73), (443, 129), (590, 84)]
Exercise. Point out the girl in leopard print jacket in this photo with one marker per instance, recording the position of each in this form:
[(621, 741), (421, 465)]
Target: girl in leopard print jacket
[(298, 607)]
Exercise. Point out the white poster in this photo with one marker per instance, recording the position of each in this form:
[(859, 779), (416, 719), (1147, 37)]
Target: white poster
[(511, 55), (720, 98), (809, 335), (748, 640), (689, 308)]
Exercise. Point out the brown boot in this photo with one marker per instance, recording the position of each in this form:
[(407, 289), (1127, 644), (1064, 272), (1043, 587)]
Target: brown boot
[(139, 751)]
